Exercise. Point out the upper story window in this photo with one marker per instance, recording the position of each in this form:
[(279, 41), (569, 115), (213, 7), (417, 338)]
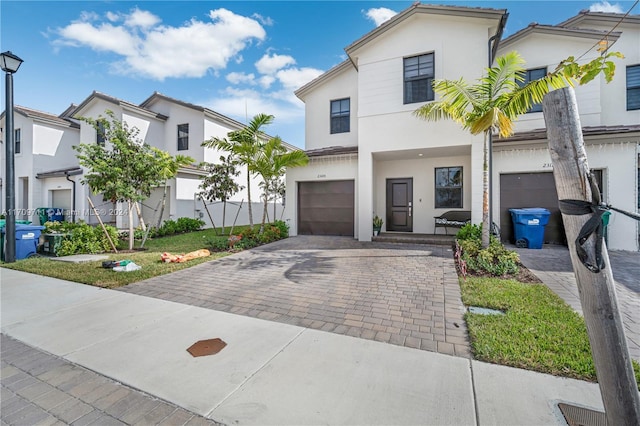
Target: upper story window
[(633, 87), (18, 135), (183, 137), (340, 115), (533, 75), (448, 187), (100, 136), (418, 78)]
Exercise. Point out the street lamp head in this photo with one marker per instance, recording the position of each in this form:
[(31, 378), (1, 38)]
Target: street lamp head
[(9, 62)]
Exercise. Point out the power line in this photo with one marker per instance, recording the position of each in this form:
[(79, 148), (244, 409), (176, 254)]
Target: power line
[(604, 38)]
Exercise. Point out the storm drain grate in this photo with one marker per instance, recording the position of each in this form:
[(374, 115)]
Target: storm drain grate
[(206, 347), (579, 416)]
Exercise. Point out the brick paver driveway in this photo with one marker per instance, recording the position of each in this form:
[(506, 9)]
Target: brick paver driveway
[(406, 295)]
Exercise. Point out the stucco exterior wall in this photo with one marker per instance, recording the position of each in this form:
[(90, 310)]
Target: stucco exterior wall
[(317, 108), (616, 157), (422, 171)]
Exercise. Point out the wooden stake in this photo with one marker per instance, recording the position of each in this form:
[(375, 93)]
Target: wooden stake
[(204, 203), (115, 250), (597, 292)]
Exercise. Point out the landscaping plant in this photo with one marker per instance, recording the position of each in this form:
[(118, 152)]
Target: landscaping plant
[(80, 238)]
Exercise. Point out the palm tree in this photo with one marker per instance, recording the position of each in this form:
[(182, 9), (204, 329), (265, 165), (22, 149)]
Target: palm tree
[(244, 145), (492, 104), (272, 163)]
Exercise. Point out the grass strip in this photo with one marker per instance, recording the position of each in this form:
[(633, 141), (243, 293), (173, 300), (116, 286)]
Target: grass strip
[(92, 272), (538, 332)]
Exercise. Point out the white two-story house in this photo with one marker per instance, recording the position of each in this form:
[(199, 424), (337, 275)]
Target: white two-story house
[(48, 174), (371, 156)]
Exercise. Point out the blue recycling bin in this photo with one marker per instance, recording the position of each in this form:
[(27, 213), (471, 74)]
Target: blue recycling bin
[(528, 226), (50, 214), (27, 237)]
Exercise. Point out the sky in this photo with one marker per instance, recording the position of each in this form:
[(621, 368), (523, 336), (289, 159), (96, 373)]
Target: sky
[(238, 58)]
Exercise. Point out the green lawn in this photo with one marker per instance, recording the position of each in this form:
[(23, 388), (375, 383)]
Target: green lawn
[(538, 332), (149, 259)]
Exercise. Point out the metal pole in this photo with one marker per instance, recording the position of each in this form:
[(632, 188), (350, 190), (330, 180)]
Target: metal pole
[(10, 227)]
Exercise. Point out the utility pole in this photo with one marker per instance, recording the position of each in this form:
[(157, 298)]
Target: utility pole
[(614, 370)]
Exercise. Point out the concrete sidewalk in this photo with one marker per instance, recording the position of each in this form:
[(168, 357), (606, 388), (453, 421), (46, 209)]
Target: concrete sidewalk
[(269, 373)]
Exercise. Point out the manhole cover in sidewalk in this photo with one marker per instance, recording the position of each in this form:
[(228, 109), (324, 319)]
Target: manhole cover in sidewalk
[(206, 347), (579, 416)]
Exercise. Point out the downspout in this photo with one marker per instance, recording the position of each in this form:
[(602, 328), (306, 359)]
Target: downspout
[(492, 50), (73, 200)]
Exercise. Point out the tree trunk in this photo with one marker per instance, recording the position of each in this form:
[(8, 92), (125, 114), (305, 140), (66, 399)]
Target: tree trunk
[(486, 226), (164, 202), (131, 235), (275, 200), (224, 212), (249, 198), (597, 292), (264, 211)]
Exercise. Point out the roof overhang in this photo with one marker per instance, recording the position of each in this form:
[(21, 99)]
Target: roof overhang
[(70, 171), (538, 135), (602, 17), (417, 8), (585, 34)]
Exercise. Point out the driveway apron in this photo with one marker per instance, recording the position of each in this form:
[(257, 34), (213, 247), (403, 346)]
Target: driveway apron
[(403, 294)]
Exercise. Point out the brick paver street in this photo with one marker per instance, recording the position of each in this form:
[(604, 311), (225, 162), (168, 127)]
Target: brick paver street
[(404, 294), (42, 389)]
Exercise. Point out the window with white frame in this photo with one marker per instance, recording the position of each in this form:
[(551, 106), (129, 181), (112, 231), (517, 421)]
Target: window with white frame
[(448, 187), (418, 78), (340, 115), (633, 87), (183, 137)]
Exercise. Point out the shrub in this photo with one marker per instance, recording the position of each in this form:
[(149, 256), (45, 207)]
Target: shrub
[(283, 227), (470, 232), (495, 259), (181, 226), (218, 244), (81, 237)]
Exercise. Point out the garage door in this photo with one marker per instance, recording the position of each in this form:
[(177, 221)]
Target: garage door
[(326, 208), (523, 190)]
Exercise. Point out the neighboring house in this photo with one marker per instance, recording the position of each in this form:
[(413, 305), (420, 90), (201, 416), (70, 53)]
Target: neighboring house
[(609, 114), (48, 173), (371, 156)]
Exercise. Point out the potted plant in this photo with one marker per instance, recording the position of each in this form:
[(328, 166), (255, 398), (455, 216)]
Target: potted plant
[(377, 225)]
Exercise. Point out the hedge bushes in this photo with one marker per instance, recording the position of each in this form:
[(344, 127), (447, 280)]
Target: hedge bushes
[(81, 238)]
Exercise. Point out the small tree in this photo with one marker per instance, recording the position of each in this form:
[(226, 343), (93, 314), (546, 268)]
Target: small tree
[(272, 163), (220, 183), (244, 146), (169, 167), (127, 169)]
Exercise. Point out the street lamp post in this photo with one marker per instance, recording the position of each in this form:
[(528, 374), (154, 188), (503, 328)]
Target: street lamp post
[(10, 64)]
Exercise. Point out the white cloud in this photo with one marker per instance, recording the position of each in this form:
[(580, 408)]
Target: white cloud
[(269, 64), (294, 78), (158, 51), (266, 81), (142, 19), (605, 6), (264, 20), (379, 15), (240, 78)]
